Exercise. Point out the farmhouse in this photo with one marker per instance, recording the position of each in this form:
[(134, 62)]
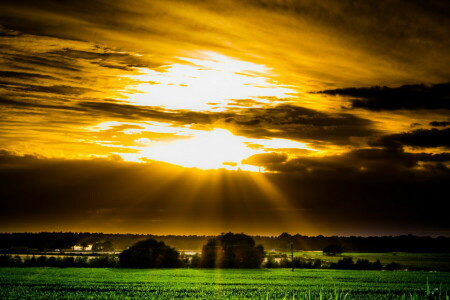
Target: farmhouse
[(82, 248)]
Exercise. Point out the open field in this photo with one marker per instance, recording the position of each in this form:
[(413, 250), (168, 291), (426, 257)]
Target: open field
[(74, 283)]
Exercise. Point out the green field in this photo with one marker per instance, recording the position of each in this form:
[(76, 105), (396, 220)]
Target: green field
[(76, 283)]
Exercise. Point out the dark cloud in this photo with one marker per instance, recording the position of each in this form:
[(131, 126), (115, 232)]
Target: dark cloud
[(129, 111), (98, 13), (379, 185), (8, 32), (48, 192), (52, 89), (39, 61), (417, 138), (405, 97), (294, 122), (263, 159), (284, 121), (108, 58), (440, 124), (368, 164), (66, 59), (24, 75), (31, 104), (369, 189)]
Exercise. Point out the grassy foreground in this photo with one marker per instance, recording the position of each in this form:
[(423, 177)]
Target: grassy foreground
[(76, 283)]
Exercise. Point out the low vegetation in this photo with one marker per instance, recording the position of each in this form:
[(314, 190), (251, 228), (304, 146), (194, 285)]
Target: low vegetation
[(73, 283), (101, 261), (145, 260)]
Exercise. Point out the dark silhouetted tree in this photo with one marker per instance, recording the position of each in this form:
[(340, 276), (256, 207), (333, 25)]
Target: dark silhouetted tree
[(195, 261), (107, 246), (377, 265), (150, 254), (232, 251), (363, 264), (332, 250), (271, 262), (103, 246), (345, 264)]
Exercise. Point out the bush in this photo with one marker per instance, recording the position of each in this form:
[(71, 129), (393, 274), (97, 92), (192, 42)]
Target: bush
[(332, 250), (271, 263), (232, 251), (104, 261), (344, 264), (195, 261), (363, 264), (150, 254)]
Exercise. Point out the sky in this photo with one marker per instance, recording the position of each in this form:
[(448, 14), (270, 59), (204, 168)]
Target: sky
[(202, 117)]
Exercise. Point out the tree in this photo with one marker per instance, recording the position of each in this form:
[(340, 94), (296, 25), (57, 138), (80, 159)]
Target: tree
[(107, 246), (150, 254), (332, 250), (84, 245), (103, 246), (345, 264), (232, 251)]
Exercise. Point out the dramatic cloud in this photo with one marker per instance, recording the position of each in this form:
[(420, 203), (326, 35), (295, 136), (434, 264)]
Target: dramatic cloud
[(405, 97), (247, 115), (323, 195), (339, 42), (440, 124), (418, 138), (367, 163), (299, 123)]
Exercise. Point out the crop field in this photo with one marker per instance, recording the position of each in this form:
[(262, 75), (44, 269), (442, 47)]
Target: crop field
[(80, 283)]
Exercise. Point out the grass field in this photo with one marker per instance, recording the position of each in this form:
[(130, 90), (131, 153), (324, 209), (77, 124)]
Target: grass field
[(74, 283)]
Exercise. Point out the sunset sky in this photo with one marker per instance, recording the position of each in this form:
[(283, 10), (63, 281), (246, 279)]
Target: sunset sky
[(201, 117)]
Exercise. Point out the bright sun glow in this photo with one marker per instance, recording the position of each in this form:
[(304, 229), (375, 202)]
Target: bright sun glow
[(206, 150), (188, 147), (209, 84)]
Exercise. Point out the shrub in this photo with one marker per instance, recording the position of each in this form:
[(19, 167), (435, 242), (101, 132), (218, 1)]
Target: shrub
[(232, 251), (150, 254)]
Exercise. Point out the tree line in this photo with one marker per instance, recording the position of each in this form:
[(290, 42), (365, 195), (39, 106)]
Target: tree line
[(228, 250), (112, 261), (108, 242)]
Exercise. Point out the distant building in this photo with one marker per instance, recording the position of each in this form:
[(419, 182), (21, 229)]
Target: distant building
[(81, 248)]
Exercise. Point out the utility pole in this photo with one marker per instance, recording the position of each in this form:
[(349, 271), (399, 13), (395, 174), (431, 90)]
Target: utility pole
[(151, 257), (292, 255)]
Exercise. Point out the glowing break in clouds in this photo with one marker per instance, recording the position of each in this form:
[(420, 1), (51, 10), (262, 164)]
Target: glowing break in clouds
[(211, 82), (203, 149)]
